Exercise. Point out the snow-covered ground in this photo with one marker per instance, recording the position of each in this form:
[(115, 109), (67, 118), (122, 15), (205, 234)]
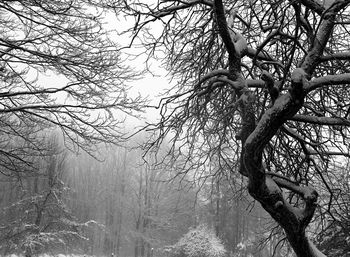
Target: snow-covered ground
[(55, 255)]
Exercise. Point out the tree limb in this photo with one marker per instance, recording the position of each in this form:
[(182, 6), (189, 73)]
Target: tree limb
[(328, 80), (321, 120)]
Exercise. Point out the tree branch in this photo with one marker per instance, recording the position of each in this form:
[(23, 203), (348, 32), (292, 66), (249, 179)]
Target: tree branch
[(309, 195), (223, 28), (313, 5), (335, 56), (320, 120), (328, 80)]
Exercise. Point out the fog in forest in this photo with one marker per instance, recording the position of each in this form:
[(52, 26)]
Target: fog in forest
[(174, 128), (126, 204)]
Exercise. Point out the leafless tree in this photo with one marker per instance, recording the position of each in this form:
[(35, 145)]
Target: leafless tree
[(35, 218), (86, 91), (264, 87)]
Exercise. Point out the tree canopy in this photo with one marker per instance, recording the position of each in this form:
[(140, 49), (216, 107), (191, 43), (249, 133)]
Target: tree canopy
[(59, 68), (263, 89)]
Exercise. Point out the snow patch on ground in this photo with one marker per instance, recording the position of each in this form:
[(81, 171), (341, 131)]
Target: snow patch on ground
[(54, 255)]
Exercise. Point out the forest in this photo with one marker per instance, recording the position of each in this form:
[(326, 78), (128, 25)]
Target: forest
[(122, 205), (244, 152)]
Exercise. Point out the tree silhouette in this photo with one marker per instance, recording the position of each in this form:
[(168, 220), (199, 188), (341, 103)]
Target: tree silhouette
[(67, 41), (262, 88)]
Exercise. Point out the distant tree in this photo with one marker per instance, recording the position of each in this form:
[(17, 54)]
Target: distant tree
[(237, 220), (58, 68), (262, 86), (38, 219), (138, 206)]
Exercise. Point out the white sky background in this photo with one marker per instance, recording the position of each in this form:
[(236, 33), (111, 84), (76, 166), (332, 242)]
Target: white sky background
[(153, 83), (150, 86)]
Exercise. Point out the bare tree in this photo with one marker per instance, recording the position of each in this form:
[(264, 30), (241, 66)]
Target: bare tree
[(37, 219), (263, 87), (86, 91), (138, 209)]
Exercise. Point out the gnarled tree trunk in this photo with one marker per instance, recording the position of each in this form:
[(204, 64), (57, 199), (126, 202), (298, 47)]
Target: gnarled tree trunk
[(267, 189)]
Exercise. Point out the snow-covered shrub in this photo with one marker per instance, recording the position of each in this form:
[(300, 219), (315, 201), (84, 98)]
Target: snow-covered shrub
[(245, 247), (198, 242)]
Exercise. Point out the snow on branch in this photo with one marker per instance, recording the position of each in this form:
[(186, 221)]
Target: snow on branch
[(240, 43), (313, 5), (299, 82), (309, 195), (324, 32), (168, 10), (335, 56), (306, 192), (235, 43), (252, 53), (221, 75), (321, 120), (212, 74), (328, 80)]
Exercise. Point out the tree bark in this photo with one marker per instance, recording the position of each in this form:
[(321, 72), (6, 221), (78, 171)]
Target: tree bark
[(255, 135)]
